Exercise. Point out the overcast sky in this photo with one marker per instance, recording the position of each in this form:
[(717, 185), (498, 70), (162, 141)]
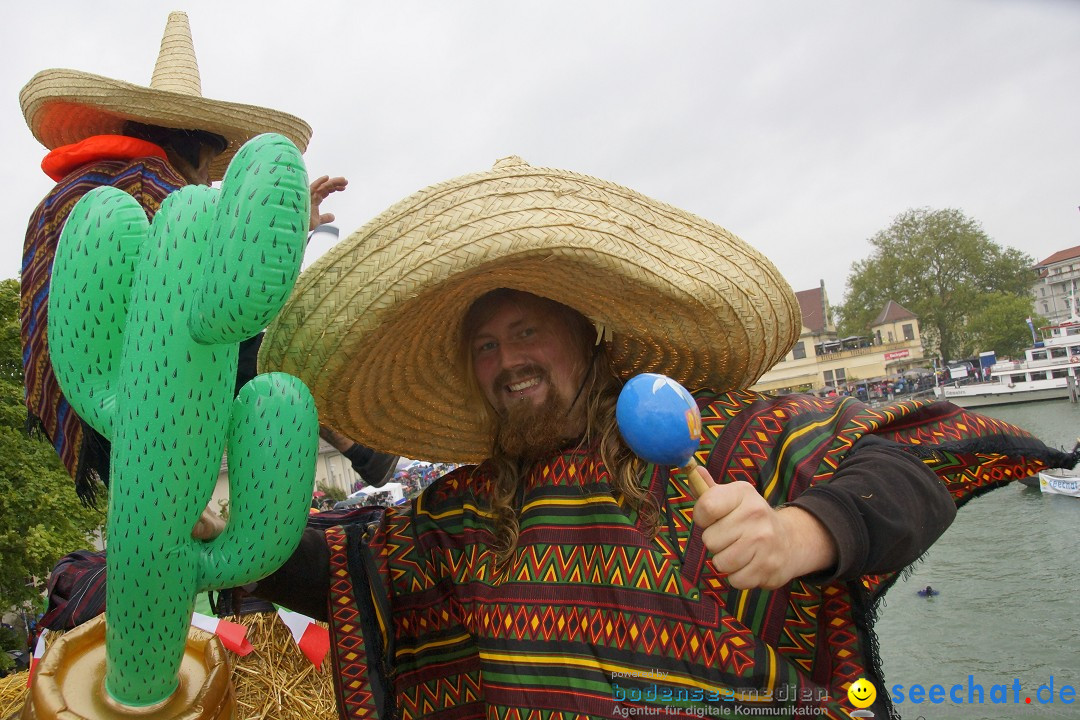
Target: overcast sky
[(802, 127)]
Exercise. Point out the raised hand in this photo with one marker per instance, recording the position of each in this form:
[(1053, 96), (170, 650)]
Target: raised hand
[(320, 189)]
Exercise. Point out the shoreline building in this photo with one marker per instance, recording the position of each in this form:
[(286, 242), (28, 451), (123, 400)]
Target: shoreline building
[(1058, 283), (821, 359)]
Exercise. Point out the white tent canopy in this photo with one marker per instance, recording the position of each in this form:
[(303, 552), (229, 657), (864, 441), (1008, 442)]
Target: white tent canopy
[(396, 490)]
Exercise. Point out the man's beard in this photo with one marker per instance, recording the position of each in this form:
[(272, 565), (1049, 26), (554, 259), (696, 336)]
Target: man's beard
[(529, 432)]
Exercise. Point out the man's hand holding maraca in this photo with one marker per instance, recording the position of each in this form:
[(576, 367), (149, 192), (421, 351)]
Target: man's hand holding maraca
[(759, 546)]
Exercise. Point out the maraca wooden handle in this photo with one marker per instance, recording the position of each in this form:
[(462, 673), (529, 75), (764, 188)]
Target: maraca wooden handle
[(697, 485)]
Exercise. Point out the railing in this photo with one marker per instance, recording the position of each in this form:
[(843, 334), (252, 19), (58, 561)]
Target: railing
[(1047, 362), (872, 350)]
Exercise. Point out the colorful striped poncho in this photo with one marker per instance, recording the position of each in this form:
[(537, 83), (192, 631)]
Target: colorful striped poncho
[(147, 179), (593, 618)]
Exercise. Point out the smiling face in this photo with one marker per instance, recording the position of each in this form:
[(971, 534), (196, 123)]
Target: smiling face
[(862, 693), (528, 359), (524, 352)]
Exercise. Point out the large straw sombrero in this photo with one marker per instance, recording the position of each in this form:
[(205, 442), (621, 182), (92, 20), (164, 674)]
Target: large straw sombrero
[(66, 106), (372, 327)]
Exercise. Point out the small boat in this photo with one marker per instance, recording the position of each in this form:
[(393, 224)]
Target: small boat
[(1031, 482), (1060, 482)]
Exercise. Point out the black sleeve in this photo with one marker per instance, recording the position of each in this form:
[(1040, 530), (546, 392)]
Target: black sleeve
[(884, 509), (302, 584), (374, 467)]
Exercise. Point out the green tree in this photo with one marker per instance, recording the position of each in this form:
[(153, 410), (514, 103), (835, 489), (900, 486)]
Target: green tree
[(940, 265), (9, 640), (41, 518), (1000, 324), (10, 343), (333, 492)]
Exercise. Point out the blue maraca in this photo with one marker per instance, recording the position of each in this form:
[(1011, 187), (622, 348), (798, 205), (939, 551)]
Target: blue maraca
[(661, 423)]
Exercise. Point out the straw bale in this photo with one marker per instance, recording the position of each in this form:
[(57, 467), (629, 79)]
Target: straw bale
[(276, 680), (13, 694)]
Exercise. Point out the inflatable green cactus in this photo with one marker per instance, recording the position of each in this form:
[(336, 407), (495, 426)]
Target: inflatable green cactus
[(144, 326)]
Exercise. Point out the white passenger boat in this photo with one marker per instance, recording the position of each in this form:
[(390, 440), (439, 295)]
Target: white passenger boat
[(1050, 370)]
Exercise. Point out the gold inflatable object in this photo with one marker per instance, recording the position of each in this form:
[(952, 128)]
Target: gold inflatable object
[(69, 682)]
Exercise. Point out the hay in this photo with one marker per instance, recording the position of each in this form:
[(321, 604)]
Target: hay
[(274, 681), (13, 694)]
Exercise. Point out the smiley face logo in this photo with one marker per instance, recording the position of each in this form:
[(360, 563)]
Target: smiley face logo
[(862, 693)]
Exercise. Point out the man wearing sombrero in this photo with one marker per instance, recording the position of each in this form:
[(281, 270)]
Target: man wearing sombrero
[(493, 319), (147, 141)]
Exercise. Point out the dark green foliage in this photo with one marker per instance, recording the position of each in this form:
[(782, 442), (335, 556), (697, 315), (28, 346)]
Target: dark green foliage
[(10, 640), (41, 519), (10, 347), (1000, 324)]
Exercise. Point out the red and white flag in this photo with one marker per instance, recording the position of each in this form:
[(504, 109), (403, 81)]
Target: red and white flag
[(233, 635), (39, 650), (313, 639)]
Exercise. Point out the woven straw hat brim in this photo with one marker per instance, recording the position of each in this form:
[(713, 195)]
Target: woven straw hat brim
[(64, 106), (373, 326)]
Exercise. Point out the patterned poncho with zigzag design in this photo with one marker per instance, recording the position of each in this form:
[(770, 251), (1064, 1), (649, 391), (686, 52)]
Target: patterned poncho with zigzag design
[(593, 618)]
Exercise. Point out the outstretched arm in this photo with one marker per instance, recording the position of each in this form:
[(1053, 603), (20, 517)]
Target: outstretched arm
[(880, 512), (883, 508), (374, 468)]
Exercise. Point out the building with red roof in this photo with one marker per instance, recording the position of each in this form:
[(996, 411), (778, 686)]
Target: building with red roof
[(821, 359), (1057, 289)]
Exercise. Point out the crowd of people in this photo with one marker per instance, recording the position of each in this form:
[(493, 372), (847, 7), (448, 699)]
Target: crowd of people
[(885, 389), (413, 478), (417, 476)]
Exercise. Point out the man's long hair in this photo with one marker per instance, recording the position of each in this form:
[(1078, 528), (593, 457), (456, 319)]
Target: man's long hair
[(599, 393)]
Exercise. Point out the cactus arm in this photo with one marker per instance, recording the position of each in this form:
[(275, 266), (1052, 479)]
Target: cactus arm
[(253, 258), (273, 446), (88, 300)]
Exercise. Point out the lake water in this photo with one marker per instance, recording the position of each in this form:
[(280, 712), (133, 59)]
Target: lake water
[(1009, 574)]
